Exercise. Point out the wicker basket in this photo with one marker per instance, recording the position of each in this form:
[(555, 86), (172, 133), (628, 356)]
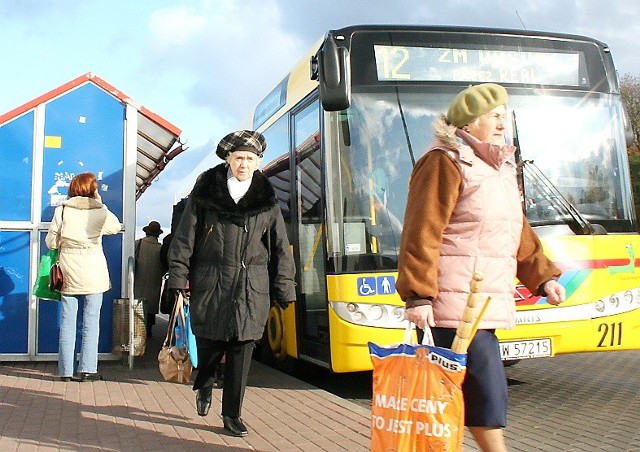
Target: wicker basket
[(120, 336)]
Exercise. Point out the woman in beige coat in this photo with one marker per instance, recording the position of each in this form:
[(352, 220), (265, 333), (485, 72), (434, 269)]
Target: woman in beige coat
[(76, 230)]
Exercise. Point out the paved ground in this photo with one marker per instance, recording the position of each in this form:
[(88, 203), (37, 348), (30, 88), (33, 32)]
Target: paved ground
[(581, 402), (587, 402), (135, 410)]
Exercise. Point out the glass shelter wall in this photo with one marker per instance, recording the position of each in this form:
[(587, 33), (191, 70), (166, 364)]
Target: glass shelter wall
[(80, 131)]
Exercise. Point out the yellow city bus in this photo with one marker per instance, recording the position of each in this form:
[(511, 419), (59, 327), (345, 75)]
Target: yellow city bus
[(344, 129)]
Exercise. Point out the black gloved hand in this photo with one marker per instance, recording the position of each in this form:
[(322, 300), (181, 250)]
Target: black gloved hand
[(176, 292)]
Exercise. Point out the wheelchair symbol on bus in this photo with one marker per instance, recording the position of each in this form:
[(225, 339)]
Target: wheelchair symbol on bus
[(381, 285)]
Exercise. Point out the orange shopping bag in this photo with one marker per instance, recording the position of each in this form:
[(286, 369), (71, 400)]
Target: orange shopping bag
[(417, 397), (417, 389)]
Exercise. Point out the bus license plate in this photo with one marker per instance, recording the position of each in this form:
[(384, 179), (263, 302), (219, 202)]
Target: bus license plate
[(535, 348)]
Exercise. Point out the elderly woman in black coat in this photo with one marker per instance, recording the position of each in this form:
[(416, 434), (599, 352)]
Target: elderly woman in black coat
[(231, 245)]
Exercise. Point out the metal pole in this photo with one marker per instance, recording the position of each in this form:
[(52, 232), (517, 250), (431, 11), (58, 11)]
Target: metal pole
[(130, 268)]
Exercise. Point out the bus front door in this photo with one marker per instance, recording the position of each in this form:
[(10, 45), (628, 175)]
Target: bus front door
[(311, 309)]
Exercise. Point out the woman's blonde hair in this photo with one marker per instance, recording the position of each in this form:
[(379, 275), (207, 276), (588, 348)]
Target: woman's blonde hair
[(84, 184)]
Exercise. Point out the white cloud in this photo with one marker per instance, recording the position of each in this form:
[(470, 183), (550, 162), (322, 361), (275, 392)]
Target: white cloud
[(175, 26), (226, 49)]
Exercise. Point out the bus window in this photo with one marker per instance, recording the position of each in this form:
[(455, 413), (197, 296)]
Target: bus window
[(589, 175), (387, 132)]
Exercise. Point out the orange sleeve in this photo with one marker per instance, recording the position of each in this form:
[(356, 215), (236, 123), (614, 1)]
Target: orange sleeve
[(534, 268), (434, 188)]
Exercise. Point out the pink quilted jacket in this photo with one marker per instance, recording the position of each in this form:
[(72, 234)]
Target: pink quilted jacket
[(483, 235)]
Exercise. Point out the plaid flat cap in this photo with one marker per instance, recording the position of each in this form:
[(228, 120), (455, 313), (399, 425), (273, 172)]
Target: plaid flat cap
[(242, 140)]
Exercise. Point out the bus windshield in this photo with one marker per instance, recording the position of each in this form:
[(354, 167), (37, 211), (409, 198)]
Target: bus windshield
[(573, 139)]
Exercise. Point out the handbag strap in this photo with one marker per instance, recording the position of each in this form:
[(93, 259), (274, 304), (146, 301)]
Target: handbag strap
[(183, 322), (60, 232), (177, 311)]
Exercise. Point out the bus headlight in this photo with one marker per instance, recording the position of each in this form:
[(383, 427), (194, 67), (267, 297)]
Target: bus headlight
[(376, 312), (614, 301), (398, 314), (377, 315), (359, 317)]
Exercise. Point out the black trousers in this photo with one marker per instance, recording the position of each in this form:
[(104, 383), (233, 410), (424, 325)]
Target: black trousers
[(236, 369)]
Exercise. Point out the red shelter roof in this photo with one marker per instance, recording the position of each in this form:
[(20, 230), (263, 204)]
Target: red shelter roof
[(158, 141)]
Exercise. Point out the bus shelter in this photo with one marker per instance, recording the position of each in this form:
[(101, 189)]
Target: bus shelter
[(85, 125)]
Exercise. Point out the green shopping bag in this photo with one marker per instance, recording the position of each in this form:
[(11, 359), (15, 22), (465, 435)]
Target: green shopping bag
[(41, 287)]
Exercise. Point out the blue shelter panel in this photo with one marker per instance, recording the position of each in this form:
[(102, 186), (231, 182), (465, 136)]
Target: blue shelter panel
[(112, 245), (16, 155), (14, 291), (49, 312), (84, 132), (48, 325)]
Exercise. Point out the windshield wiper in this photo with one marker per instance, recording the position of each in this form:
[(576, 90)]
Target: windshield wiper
[(574, 219), (578, 223), (405, 129)]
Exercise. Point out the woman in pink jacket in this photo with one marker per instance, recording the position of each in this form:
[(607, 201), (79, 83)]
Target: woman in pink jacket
[(464, 215)]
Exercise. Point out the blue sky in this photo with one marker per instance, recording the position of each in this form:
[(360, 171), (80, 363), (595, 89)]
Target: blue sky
[(203, 64)]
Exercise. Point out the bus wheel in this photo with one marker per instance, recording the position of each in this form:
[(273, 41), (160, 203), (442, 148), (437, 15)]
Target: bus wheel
[(275, 334)]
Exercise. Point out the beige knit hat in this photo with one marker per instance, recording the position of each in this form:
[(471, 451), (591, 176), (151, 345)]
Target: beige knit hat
[(474, 102)]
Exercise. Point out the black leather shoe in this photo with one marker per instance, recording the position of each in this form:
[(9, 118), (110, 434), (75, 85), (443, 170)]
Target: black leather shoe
[(203, 401), (89, 376), (234, 426), (65, 379)]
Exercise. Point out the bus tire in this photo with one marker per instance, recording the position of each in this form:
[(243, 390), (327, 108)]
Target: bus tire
[(275, 333)]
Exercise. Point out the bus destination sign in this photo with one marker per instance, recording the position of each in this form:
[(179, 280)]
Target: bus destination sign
[(403, 63)]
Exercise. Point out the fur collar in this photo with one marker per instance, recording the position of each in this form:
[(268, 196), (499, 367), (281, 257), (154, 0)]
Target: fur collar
[(211, 192), (83, 203), (445, 133)]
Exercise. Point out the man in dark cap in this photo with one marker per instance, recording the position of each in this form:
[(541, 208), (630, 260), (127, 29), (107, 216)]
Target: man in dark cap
[(231, 235), (152, 229), (149, 271)]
